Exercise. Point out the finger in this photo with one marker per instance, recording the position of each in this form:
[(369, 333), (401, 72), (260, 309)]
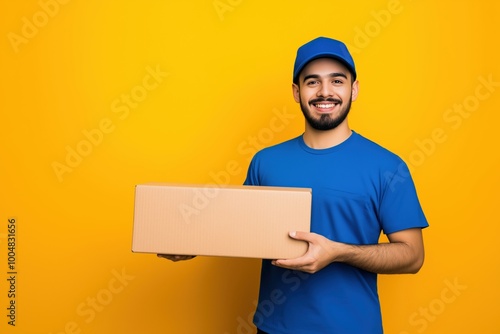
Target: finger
[(292, 263), (300, 235), (171, 257)]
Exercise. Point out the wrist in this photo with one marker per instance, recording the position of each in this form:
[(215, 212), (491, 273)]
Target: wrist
[(344, 252)]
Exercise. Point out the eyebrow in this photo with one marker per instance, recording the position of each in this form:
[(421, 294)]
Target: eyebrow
[(331, 75)]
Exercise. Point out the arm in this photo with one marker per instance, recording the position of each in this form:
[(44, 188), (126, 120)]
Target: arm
[(403, 254)]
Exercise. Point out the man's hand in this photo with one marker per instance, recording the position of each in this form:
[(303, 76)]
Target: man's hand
[(176, 258), (320, 253)]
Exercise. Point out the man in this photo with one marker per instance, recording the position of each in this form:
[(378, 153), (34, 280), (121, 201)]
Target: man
[(359, 190)]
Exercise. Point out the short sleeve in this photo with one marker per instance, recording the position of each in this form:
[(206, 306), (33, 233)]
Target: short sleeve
[(252, 178), (400, 208)]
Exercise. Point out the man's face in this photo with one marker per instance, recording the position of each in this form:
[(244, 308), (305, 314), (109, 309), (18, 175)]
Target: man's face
[(325, 93)]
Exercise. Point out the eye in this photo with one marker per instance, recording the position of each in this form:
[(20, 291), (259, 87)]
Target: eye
[(338, 81), (312, 82)]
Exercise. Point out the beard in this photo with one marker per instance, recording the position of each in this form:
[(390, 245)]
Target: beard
[(327, 121)]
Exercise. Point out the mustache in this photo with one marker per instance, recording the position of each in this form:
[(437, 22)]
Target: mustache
[(319, 100)]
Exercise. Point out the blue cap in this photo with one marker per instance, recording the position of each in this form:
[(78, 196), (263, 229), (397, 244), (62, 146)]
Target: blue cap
[(323, 47)]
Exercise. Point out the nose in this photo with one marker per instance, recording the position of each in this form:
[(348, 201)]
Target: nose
[(325, 90)]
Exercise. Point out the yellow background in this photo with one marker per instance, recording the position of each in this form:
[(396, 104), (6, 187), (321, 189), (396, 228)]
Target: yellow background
[(223, 75)]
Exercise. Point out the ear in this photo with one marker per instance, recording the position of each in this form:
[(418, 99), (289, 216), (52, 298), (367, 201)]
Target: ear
[(355, 90), (296, 93)]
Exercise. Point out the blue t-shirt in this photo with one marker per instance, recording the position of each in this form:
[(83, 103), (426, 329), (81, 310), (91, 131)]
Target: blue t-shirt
[(359, 189)]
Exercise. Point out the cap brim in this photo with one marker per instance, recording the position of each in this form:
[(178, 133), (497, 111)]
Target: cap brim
[(323, 55)]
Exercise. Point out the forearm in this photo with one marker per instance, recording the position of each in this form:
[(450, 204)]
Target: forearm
[(383, 258), (404, 254)]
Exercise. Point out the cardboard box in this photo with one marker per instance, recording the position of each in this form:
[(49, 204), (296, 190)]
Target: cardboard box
[(234, 221)]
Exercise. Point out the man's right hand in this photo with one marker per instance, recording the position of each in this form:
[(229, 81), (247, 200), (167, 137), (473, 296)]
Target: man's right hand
[(176, 258)]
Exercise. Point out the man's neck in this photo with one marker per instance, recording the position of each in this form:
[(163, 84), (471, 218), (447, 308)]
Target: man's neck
[(318, 139)]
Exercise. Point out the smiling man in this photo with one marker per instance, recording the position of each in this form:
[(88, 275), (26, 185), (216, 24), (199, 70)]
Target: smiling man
[(360, 190)]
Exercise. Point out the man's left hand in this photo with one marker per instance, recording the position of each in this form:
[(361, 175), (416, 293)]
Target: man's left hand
[(320, 253)]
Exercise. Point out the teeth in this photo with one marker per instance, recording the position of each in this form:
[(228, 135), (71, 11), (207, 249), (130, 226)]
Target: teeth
[(330, 105)]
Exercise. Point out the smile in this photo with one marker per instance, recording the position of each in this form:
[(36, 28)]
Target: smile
[(325, 105)]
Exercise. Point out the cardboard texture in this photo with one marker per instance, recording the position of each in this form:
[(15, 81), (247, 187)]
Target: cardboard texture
[(233, 221)]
